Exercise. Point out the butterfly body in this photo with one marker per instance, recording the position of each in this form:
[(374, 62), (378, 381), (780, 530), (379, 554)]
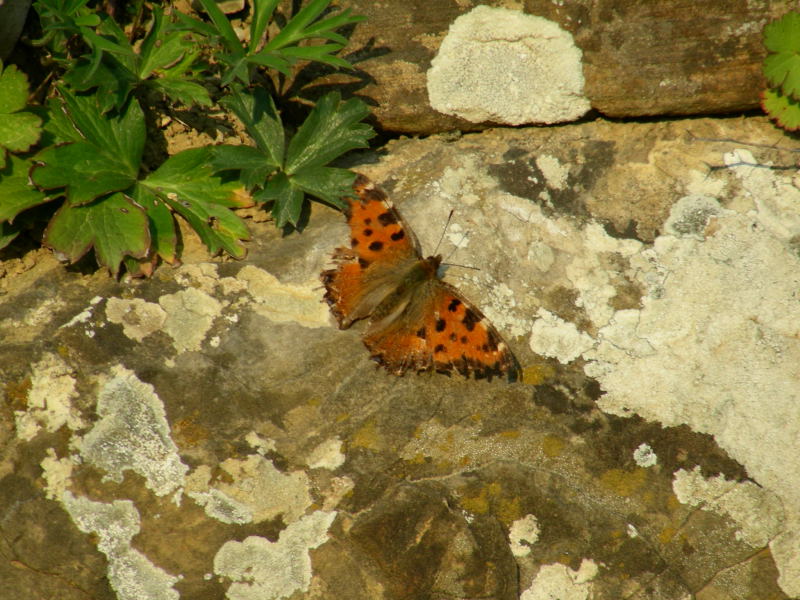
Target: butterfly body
[(416, 321)]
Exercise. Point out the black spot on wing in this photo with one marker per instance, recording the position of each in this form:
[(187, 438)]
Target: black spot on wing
[(387, 218), (376, 246), (422, 333), (493, 341), (398, 235), (440, 348), (454, 304), (363, 262), (470, 319), (367, 232), (440, 324)]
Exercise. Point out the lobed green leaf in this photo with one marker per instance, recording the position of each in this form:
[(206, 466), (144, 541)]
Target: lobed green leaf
[(327, 183), (287, 200), (783, 109), (113, 225), (16, 194), (18, 130), (105, 160), (260, 118), (330, 130), (185, 183)]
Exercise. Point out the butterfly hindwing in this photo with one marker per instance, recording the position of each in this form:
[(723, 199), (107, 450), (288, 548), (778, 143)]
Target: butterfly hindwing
[(448, 334)]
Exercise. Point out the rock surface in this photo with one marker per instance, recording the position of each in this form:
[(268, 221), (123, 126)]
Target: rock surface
[(638, 58), (209, 434)]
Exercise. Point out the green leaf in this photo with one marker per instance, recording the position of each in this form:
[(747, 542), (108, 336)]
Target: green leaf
[(18, 130), (287, 200), (250, 161), (8, 232), (273, 61), (320, 53), (331, 129), (16, 194), (113, 225), (185, 183), (180, 90), (782, 65), (105, 160), (328, 183), (223, 26), (263, 10), (258, 114), (781, 108), (163, 234), (293, 30)]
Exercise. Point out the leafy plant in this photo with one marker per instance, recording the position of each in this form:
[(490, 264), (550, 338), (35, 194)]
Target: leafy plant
[(284, 173), (90, 158), (108, 206), (19, 130), (782, 70), (164, 61), (281, 51)]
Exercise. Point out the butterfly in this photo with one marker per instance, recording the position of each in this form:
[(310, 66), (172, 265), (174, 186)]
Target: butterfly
[(415, 321)]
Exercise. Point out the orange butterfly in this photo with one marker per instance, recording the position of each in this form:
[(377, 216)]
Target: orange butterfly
[(416, 321)]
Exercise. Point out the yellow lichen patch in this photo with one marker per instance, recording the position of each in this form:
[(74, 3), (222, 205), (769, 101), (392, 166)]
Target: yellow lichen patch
[(480, 502), (366, 437), (417, 459), (537, 374), (673, 503), (188, 434), (552, 446), (491, 498), (624, 483), (509, 434), (666, 535), (508, 510)]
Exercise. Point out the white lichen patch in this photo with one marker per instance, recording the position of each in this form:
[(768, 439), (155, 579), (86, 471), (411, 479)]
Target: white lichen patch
[(644, 456), (554, 337), (256, 484), (132, 433), (205, 277), (190, 314), (130, 573), (561, 582), (56, 473), (718, 342), (138, 317), (260, 444), (285, 303), (554, 171), (691, 216), (506, 66), (264, 570), (50, 398), (84, 315), (222, 507), (522, 534), (757, 512), (327, 455)]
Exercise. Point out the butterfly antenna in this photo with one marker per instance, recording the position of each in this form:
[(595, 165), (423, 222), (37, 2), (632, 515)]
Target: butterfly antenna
[(450, 216), (456, 247)]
